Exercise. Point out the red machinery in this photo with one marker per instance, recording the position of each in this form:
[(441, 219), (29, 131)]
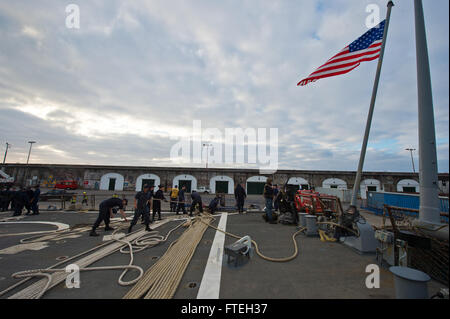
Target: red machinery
[(306, 201), (312, 202)]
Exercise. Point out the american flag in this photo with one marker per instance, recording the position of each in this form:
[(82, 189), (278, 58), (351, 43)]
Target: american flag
[(365, 48)]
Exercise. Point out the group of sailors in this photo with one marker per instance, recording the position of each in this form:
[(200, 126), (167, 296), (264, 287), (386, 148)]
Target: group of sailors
[(84, 201), (147, 200), (16, 199), (144, 201)]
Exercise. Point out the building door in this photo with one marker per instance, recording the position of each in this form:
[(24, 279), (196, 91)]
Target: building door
[(149, 182), (292, 188), (186, 183), (371, 188), (112, 184), (255, 188), (409, 189), (221, 187)]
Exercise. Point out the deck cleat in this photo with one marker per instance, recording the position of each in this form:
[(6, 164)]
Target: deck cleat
[(238, 250)]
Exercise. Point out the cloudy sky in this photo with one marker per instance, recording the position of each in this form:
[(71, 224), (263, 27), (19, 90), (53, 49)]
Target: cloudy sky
[(136, 74)]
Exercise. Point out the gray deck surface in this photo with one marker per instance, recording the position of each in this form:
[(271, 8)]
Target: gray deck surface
[(321, 270)]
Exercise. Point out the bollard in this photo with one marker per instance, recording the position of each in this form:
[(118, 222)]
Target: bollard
[(303, 219), (410, 283), (323, 227), (311, 225)]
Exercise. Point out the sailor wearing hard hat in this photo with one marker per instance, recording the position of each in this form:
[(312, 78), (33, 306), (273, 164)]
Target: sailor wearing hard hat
[(85, 199)]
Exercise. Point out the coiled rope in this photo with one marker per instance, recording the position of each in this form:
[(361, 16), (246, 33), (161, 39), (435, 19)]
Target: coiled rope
[(258, 252), (162, 279), (136, 241)]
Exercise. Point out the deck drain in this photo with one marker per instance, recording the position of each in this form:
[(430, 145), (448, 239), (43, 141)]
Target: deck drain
[(60, 241), (154, 257), (62, 257), (207, 242), (192, 285)]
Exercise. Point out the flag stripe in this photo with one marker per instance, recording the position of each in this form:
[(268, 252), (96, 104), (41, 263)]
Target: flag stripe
[(351, 55), (329, 74), (376, 44), (346, 63), (355, 58), (313, 79), (332, 72), (350, 67)]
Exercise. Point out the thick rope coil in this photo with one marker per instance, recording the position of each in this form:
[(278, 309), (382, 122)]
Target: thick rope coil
[(53, 276)]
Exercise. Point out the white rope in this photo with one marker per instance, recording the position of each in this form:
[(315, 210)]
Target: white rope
[(161, 280), (134, 242)]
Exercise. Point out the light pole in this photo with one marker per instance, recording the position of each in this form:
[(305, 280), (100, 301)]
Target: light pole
[(28, 159), (207, 145), (29, 152), (4, 158), (412, 158), (6, 152)]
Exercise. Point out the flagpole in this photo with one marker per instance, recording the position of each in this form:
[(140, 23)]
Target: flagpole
[(372, 106), (429, 210)]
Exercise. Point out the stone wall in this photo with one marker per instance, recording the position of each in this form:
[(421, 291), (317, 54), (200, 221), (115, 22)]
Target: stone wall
[(88, 176)]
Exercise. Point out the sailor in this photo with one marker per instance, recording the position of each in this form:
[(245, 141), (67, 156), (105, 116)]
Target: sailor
[(196, 200), (240, 195), (268, 196), (149, 204), (105, 213), (181, 201), (30, 194), (141, 200), (19, 200), (85, 199), (35, 200), (173, 198), (213, 204), (4, 194), (9, 198), (157, 199), (276, 191)]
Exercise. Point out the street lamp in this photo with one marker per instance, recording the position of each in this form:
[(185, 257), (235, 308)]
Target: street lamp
[(28, 159), (411, 150), (207, 145), (6, 152), (29, 152)]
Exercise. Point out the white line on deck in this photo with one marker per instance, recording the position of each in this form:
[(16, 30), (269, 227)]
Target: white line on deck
[(210, 285)]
